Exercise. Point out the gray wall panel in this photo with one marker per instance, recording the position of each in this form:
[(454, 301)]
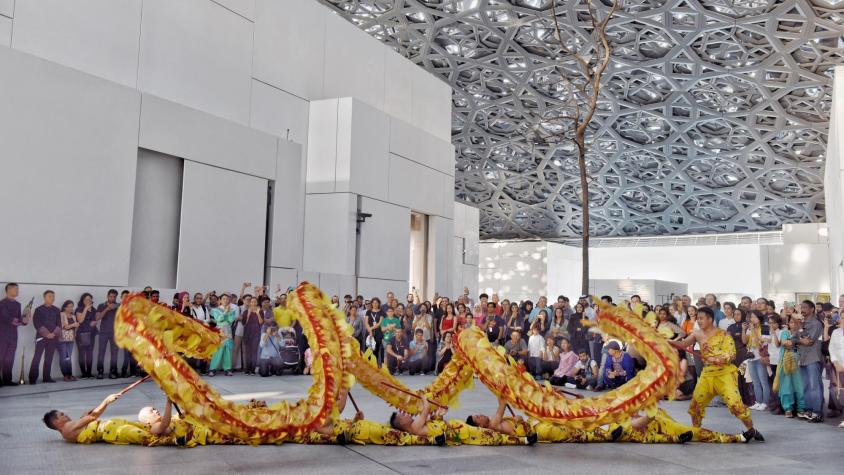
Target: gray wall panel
[(69, 147), (223, 226), (155, 224), (180, 131)]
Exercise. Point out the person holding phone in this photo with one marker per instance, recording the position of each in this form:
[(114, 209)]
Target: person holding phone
[(252, 321), (809, 347), (11, 318), (106, 313), (756, 343)]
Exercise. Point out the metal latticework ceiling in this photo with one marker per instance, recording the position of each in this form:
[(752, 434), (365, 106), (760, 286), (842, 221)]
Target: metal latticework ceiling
[(714, 113)]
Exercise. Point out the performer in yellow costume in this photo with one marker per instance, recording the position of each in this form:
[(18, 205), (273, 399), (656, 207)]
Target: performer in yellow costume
[(456, 432), (663, 429), (156, 429), (719, 376), (363, 432), (548, 432), (538, 431)]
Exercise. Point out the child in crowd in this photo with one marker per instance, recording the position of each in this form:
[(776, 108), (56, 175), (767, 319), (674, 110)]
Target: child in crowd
[(535, 345)]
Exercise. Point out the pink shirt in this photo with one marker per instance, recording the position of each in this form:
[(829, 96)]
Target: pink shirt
[(567, 362)]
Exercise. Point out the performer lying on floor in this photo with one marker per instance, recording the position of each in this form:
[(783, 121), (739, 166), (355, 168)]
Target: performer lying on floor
[(154, 428), (71, 429), (541, 431), (663, 429), (456, 432)]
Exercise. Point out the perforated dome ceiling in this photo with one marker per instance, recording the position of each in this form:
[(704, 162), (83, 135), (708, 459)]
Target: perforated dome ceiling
[(714, 114)]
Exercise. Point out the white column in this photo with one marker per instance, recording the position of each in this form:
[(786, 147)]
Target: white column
[(833, 194)]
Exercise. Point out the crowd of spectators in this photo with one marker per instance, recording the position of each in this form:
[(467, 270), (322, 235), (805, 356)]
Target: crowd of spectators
[(784, 356)]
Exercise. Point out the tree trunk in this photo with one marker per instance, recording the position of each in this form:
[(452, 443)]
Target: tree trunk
[(584, 199)]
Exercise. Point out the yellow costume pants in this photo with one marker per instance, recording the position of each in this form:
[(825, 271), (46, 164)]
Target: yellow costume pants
[(554, 433), (722, 382), (459, 433)]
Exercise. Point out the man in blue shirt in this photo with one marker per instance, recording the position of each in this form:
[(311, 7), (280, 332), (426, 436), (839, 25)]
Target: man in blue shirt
[(619, 367), (712, 302), (416, 352)]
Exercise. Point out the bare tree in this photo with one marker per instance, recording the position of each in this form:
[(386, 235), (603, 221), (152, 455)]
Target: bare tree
[(581, 67)]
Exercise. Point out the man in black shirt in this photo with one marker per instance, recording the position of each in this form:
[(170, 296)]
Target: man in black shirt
[(10, 319), (396, 354), (105, 315), (47, 321)]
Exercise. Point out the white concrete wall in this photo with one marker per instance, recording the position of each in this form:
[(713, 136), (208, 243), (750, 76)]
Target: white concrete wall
[(652, 291), (156, 220), (226, 87), (303, 48), (513, 270), (800, 264), (330, 235), (360, 156), (718, 269), (833, 190), (567, 278), (222, 233), (69, 145), (465, 250), (773, 271)]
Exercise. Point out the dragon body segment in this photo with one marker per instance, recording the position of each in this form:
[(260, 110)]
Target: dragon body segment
[(158, 338)]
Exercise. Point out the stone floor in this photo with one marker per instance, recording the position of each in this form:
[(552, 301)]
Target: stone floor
[(792, 446)]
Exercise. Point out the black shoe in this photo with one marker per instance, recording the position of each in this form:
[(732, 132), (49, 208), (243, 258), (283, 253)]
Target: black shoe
[(749, 435), (439, 440), (33, 382), (685, 437), (341, 439), (815, 418), (124, 374), (112, 375), (50, 380), (11, 383), (617, 433), (99, 375), (532, 438)]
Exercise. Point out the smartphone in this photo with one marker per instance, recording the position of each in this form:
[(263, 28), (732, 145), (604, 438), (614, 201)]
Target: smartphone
[(29, 305)]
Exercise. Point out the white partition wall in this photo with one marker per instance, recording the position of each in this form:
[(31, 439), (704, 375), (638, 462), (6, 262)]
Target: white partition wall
[(214, 249), (69, 146), (361, 159), (243, 97), (833, 190), (465, 250), (776, 271)]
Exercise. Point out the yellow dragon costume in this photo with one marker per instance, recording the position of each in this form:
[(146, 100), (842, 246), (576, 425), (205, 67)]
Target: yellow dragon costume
[(159, 339)]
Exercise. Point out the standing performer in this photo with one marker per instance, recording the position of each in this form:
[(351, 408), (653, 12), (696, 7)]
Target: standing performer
[(719, 374)]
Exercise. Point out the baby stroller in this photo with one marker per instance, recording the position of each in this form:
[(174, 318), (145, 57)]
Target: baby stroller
[(290, 357)]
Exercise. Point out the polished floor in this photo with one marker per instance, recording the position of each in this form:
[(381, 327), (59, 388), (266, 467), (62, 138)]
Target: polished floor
[(792, 446)]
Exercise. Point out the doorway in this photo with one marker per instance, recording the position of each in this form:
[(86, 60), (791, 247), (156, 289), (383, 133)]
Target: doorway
[(418, 253)]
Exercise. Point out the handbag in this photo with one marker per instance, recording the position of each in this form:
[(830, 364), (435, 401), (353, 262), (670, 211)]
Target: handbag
[(84, 339)]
